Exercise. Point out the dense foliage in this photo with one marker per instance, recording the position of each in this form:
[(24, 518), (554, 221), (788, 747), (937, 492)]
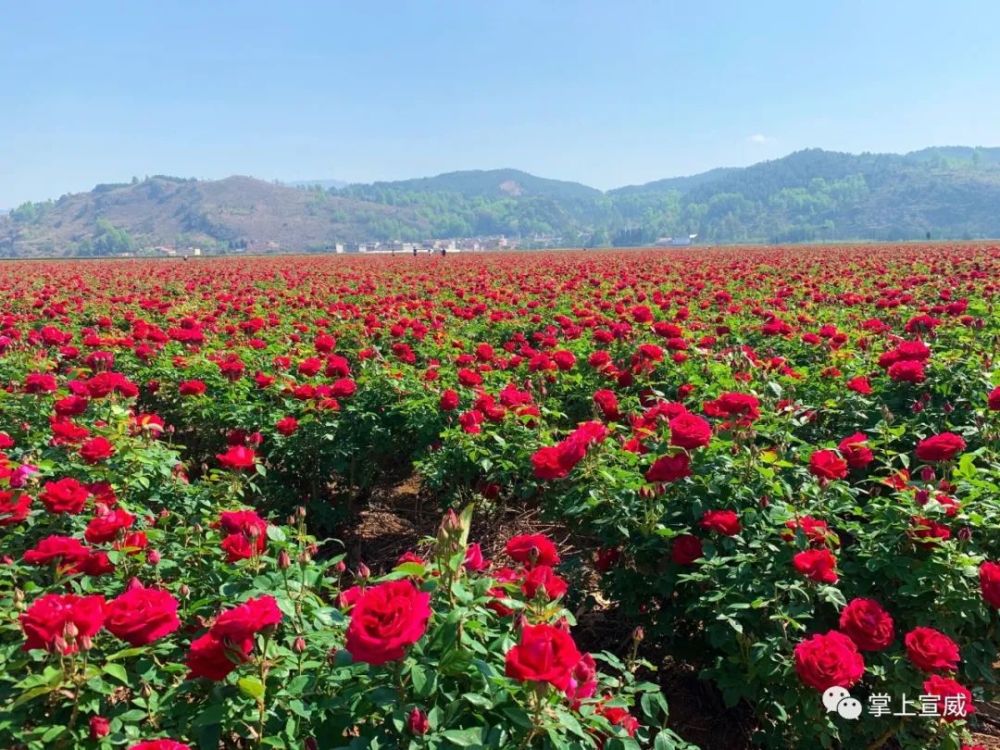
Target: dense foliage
[(779, 468)]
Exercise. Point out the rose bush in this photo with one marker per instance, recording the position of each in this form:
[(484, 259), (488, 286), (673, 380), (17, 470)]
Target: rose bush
[(783, 465)]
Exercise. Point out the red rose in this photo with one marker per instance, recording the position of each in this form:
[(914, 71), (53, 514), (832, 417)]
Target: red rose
[(618, 717), (605, 558), (241, 547), (989, 583), (62, 623), (725, 522), (686, 549), (14, 507), (238, 458), (449, 400), (907, 371), (548, 463), (544, 654), (607, 402), (469, 378), (826, 464), (209, 657), (287, 426), (860, 385), (867, 624), (96, 450), (669, 468), (928, 531), (343, 388), (247, 619), (690, 431), (730, 405), (386, 620), (564, 359), (583, 679), (191, 388), (64, 550), (245, 522), (943, 447), (931, 650), (160, 745), (542, 578), (96, 564), (533, 549), (815, 530), (557, 461), (142, 615), (106, 527), (829, 659), (817, 564), (474, 560), (954, 699), (855, 450), (64, 496), (993, 399), (65, 432)]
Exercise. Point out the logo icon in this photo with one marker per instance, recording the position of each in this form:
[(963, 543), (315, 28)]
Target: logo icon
[(838, 699)]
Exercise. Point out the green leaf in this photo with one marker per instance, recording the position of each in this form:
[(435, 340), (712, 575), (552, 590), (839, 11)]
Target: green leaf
[(419, 678), (28, 695), (275, 533), (127, 653), (117, 671), (51, 733), (211, 715), (251, 687), (463, 737)]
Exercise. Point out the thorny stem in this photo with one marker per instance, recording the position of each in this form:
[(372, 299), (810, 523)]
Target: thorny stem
[(262, 702), (536, 715)]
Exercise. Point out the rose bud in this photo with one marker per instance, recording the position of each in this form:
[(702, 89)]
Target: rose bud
[(284, 560), (153, 557), (99, 727), (417, 722), (300, 645)]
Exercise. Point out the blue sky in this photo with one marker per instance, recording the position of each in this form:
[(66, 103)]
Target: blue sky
[(607, 93)]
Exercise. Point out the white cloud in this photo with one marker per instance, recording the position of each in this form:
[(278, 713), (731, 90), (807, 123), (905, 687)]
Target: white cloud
[(760, 139)]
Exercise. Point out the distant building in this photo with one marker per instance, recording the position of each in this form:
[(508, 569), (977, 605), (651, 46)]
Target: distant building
[(680, 241)]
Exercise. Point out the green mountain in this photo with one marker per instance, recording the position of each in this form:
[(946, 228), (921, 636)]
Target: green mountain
[(217, 215), (478, 183), (811, 195), (950, 192)]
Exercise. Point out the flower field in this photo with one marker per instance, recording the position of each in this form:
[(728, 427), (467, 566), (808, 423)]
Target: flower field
[(777, 467)]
